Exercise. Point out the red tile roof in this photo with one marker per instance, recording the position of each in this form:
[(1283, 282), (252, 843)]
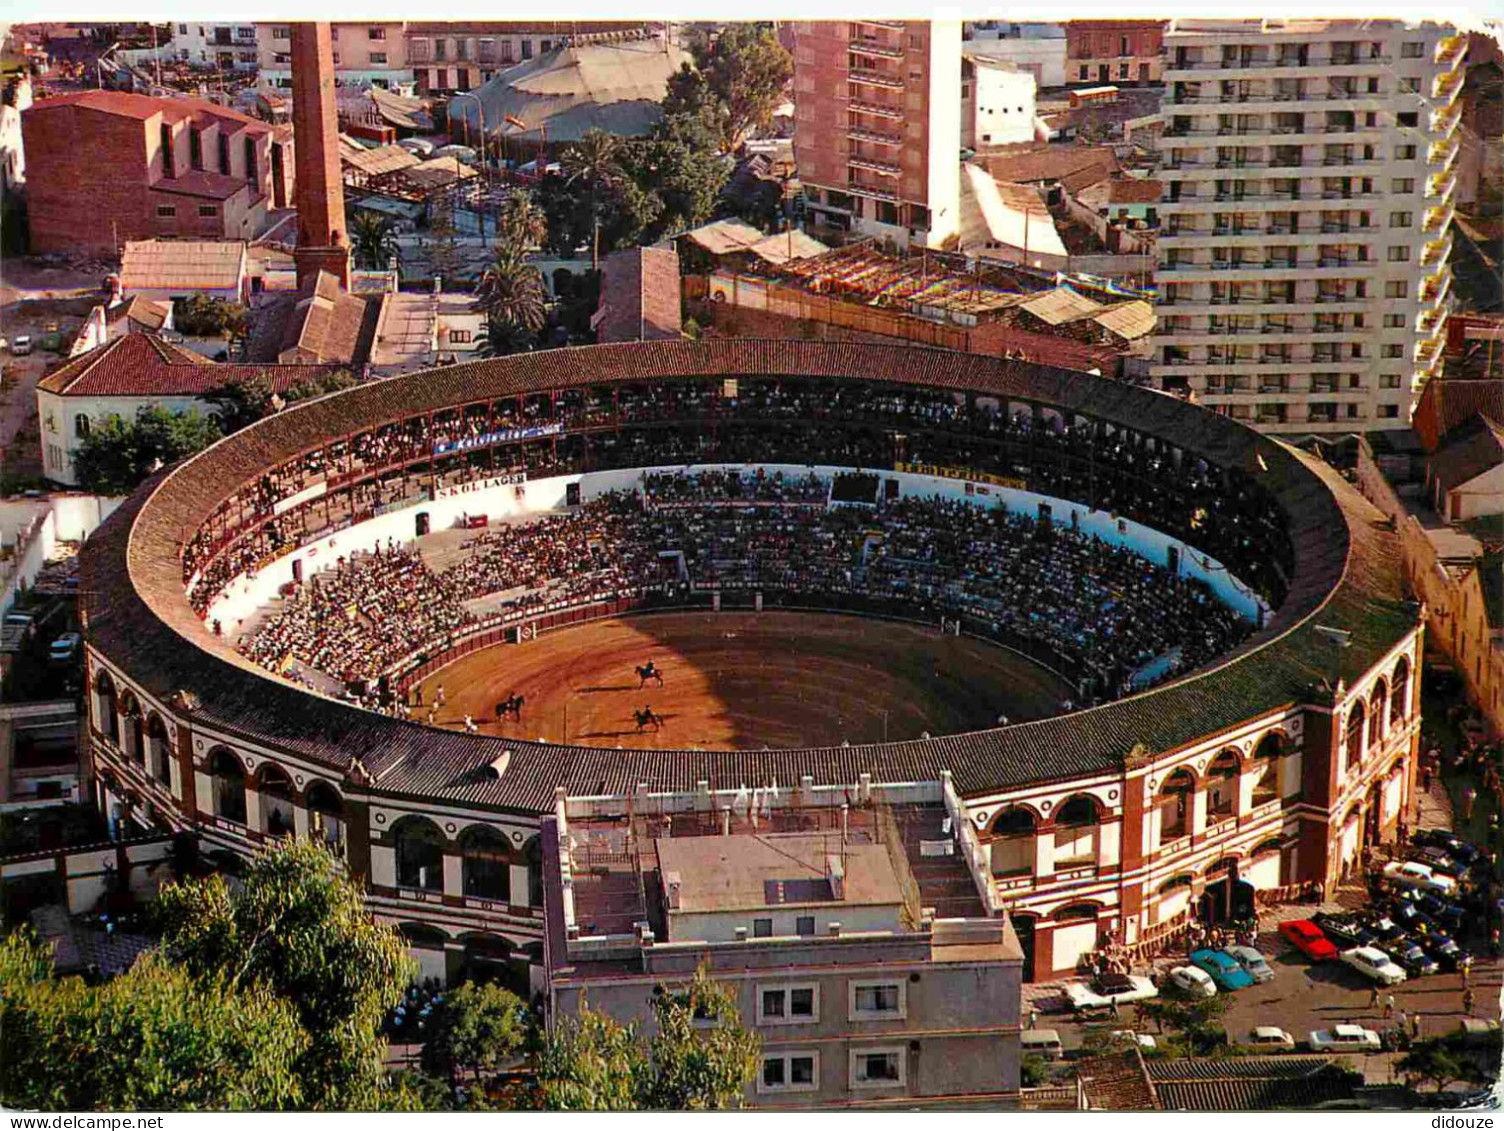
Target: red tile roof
[(142, 107), (1447, 404), (143, 365), (205, 185)]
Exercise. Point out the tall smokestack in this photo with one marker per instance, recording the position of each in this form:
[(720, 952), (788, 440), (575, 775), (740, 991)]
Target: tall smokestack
[(323, 241)]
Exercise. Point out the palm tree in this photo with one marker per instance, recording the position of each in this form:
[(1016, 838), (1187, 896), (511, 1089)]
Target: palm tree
[(596, 160), (520, 224), (372, 240), (511, 293)]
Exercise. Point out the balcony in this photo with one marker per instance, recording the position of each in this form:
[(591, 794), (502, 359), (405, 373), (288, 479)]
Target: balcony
[(1434, 286), (892, 25), (1450, 48), (1441, 152), (881, 168), (1445, 120), (874, 78), (1426, 350), (874, 138), (1439, 186), (876, 110), (1447, 84), (1436, 219), (1436, 251), (880, 50)]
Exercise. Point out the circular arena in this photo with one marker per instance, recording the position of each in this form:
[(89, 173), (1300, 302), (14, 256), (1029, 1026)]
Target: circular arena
[(1155, 663)]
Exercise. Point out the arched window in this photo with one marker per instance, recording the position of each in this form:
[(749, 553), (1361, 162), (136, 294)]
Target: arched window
[(1076, 912), (228, 776), (275, 788), (1222, 785), (326, 816), (1266, 789), (1076, 829), (486, 863), (1175, 806), (533, 851), (82, 425), (1272, 745), (135, 729), (1264, 847), (160, 747), (108, 721), (420, 854), (1376, 713), (1357, 720), (1184, 880), (1399, 693), (1013, 842)]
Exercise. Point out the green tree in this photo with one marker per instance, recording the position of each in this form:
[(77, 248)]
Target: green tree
[(443, 246), (678, 163), (745, 73), (200, 316), (153, 1039), (241, 402), (117, 455), (589, 1062), (521, 224), (477, 1029), (373, 241), (693, 1066), (1194, 1025), (297, 925), (319, 385), (512, 294), (1441, 1061)]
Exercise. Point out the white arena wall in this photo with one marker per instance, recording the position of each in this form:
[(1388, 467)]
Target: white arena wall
[(251, 591)]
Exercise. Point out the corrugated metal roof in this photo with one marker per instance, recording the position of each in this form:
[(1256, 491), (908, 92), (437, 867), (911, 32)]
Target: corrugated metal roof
[(1060, 306), (1130, 320), (187, 265)]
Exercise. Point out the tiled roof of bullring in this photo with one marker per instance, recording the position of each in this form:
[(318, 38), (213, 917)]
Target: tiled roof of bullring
[(1347, 576)]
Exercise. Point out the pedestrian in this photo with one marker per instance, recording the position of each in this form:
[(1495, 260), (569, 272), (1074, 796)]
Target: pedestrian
[(1033, 1018), (1373, 998), (1415, 1027), (1467, 977), (1404, 1022), (1469, 999), (1468, 797), (1389, 1007), (439, 695), (1115, 1008)]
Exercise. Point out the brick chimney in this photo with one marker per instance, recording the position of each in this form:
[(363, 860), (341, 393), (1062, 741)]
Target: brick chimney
[(323, 240)]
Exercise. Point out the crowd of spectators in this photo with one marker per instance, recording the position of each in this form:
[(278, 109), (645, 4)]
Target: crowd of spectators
[(1106, 611), (1222, 512)]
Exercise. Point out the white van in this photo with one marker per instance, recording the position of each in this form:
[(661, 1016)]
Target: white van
[(1041, 1042)]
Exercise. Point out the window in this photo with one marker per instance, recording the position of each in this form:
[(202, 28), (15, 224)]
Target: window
[(1409, 86), (281, 33), (459, 337), (1397, 289), (790, 1072), (1404, 153), (1409, 119), (1123, 45), (877, 1068), (1412, 50), (546, 46), (1122, 70), (182, 29), (804, 925), (336, 58), (376, 33), (1394, 321), (762, 928), (1393, 349), (527, 48), (1085, 74), (788, 1005), (250, 160), (1401, 219), (1389, 380), (166, 211), (378, 57), (81, 426), (877, 999), (1402, 184), (1389, 412), (207, 210), (1399, 255)]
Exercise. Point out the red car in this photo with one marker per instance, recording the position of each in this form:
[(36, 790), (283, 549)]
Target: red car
[(1307, 938)]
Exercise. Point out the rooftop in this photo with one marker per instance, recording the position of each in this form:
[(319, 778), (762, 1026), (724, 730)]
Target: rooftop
[(1468, 452), (186, 265), (1074, 166), (750, 872), (143, 365), (639, 296), (144, 107), (320, 323)]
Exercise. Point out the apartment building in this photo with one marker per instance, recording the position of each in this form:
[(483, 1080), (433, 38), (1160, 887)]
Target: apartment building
[(231, 47), (365, 54), (178, 167), (856, 927), (457, 56), (1113, 52), (877, 135), (1308, 171)]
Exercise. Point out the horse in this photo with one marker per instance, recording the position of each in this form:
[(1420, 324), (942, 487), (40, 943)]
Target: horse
[(648, 672), (511, 705), (645, 717)]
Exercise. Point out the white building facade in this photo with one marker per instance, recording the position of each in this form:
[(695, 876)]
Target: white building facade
[(1306, 219)]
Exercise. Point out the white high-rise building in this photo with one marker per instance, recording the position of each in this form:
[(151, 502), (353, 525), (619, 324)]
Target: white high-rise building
[(1306, 218)]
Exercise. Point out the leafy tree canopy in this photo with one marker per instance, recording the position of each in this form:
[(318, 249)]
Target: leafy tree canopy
[(117, 455), (478, 1029), (740, 78), (200, 316)]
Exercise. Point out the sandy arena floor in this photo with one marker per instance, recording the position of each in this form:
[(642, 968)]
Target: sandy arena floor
[(742, 680)]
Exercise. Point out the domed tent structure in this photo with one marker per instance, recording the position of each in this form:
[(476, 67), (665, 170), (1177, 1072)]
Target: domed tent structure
[(615, 86)]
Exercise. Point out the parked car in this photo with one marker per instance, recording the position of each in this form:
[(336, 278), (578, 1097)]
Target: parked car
[(1374, 963), (1449, 915), (1477, 1031), (1223, 968), (20, 345), (1307, 938), (1345, 1038), (1414, 960), (1413, 874), (1442, 947), (1193, 981), (1144, 1041), (1446, 840), (1105, 989), (1267, 1038), (1252, 961), (64, 648), (1443, 861), (1343, 929), (1387, 929)]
